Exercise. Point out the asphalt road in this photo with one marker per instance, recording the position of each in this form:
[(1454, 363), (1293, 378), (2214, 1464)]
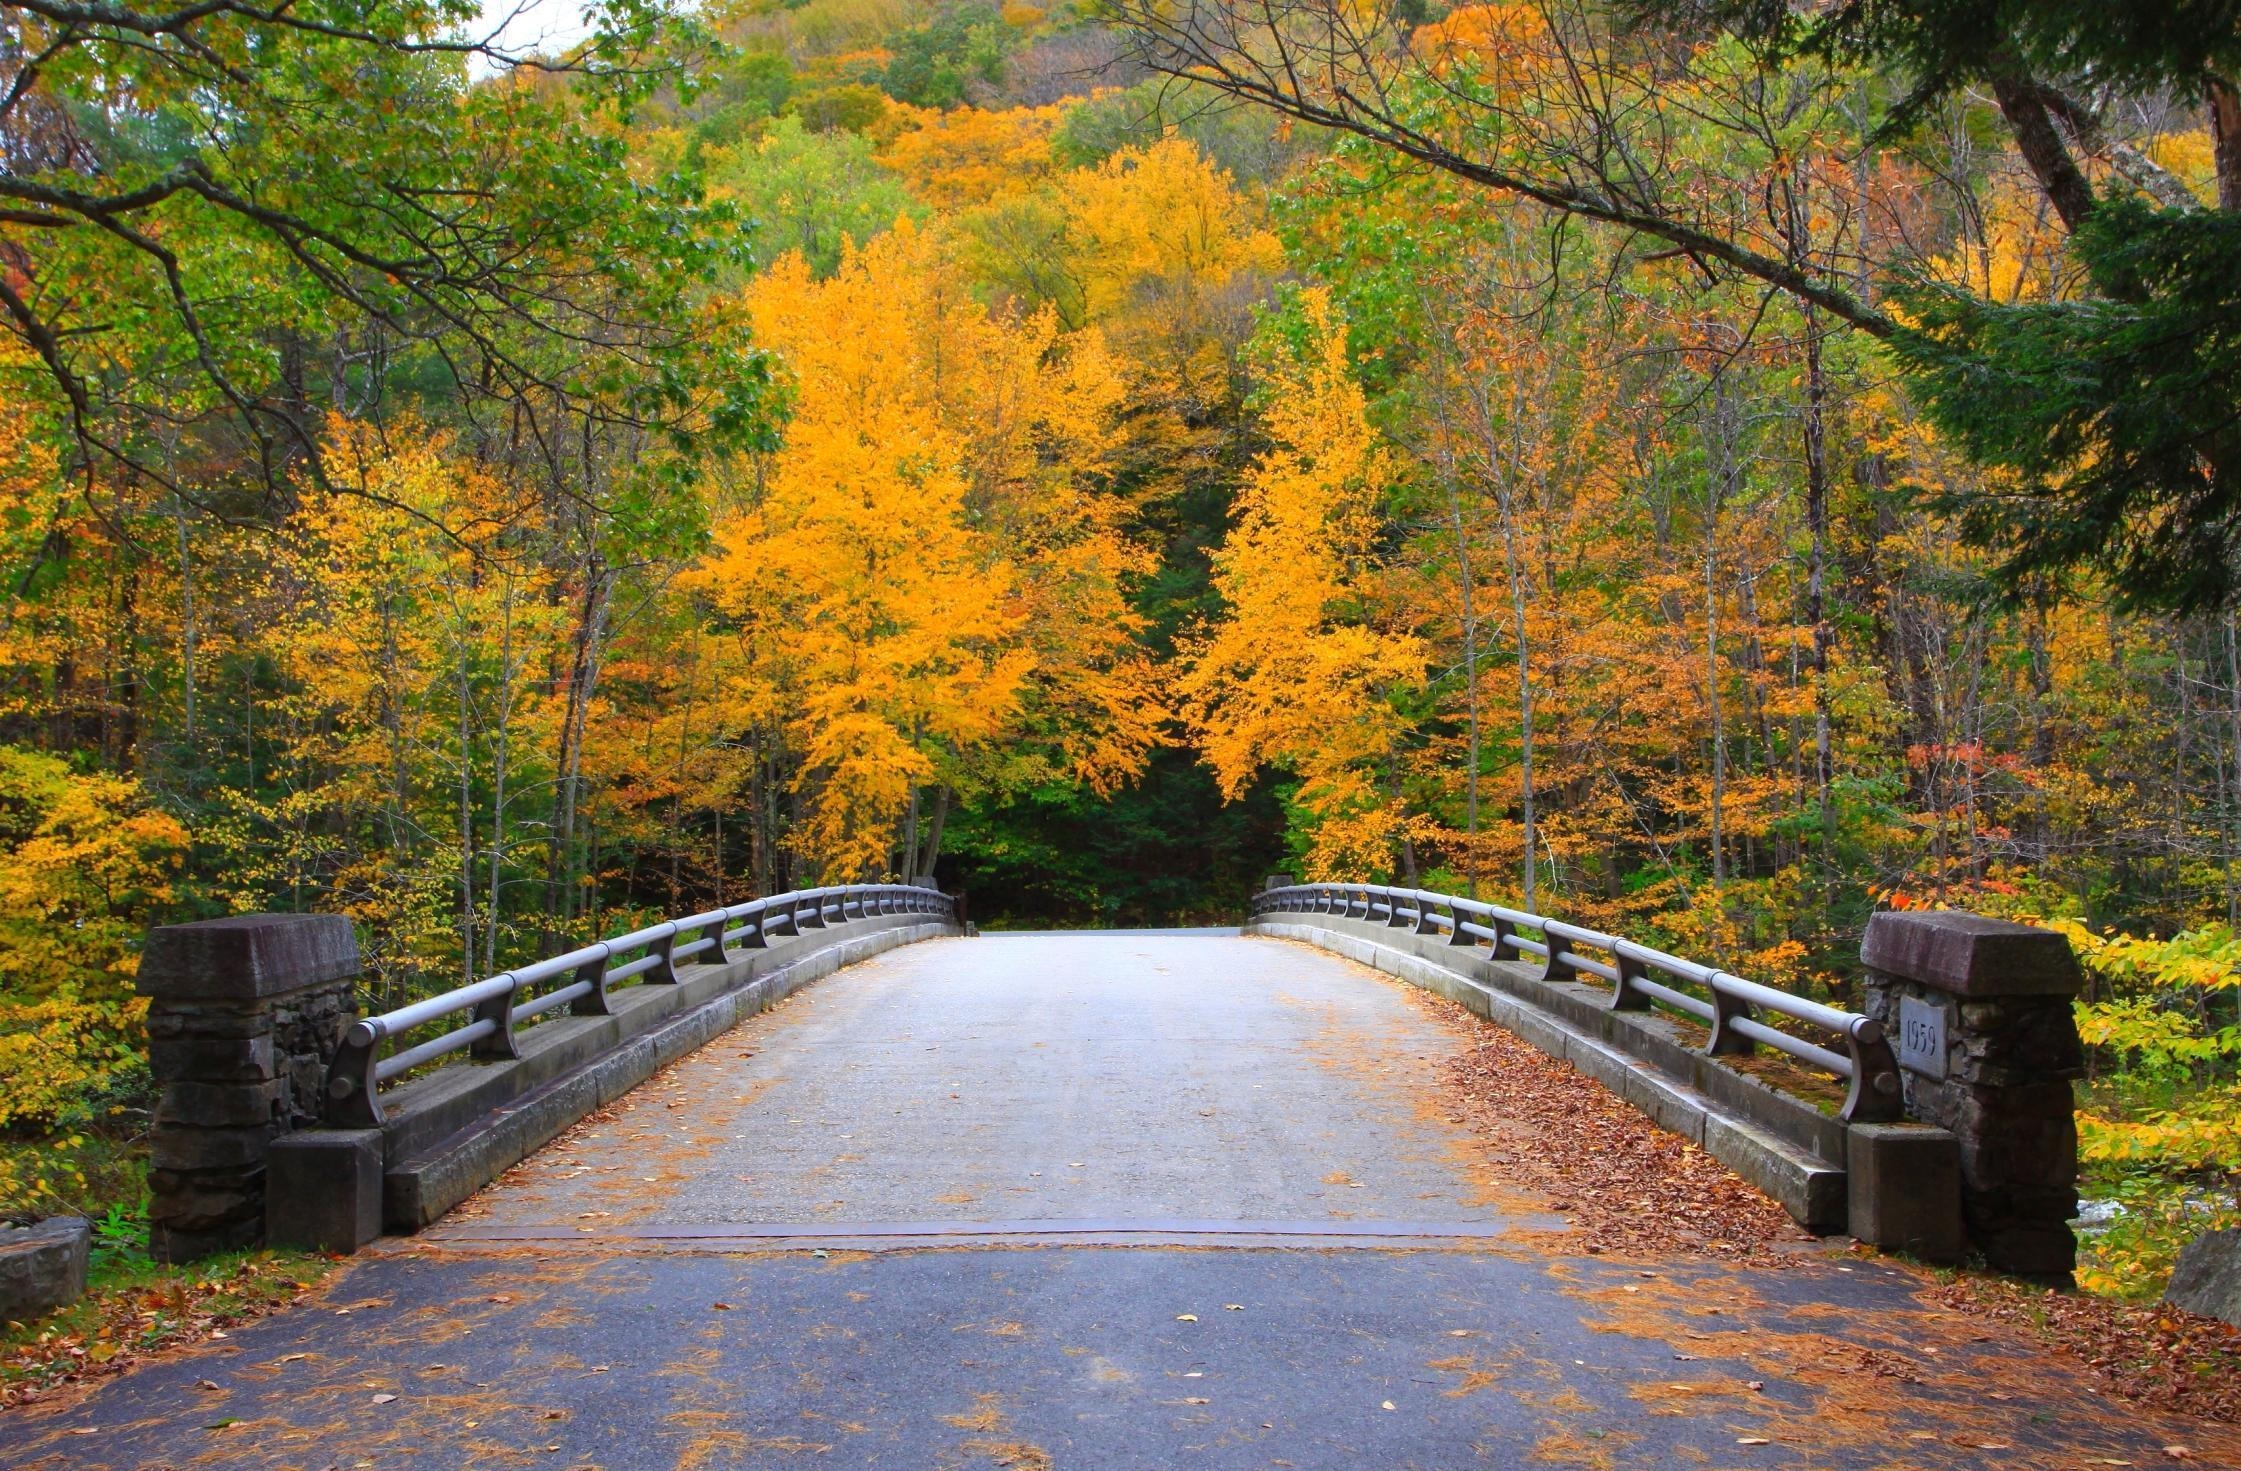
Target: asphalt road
[(1098, 1201)]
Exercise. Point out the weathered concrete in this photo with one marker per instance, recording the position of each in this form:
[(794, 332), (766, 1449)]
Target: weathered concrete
[(2000, 994), (323, 1190), (43, 1267), (243, 1016), (1088, 1079), (2207, 1279), (1905, 1190)]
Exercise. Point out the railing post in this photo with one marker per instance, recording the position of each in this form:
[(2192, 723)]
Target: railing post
[(713, 933), (1726, 1007), (756, 939), (244, 1015), (1393, 920), (1456, 934), (1624, 995), (1505, 939), (1425, 923), (353, 1098), (1558, 949), (593, 1002), (1988, 1045), (1875, 1096), (815, 904), (664, 972), (499, 1045)]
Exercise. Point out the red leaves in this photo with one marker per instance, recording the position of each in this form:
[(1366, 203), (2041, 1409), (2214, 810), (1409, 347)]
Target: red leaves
[(2148, 1353), (1625, 1184)]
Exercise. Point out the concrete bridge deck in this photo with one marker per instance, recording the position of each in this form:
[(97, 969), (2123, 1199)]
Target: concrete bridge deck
[(1101, 1201)]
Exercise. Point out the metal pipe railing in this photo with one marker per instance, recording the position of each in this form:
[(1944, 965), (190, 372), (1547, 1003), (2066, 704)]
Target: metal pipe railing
[(497, 1005), (1731, 1006)]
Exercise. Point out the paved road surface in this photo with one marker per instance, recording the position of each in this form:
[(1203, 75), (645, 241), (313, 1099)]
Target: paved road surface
[(1094, 1201)]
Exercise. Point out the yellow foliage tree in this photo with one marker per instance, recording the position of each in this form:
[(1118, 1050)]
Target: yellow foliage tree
[(1293, 674), (926, 591), (969, 156)]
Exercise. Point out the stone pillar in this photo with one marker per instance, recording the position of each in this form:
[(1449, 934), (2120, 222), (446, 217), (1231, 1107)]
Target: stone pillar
[(243, 1016), (1980, 1011)]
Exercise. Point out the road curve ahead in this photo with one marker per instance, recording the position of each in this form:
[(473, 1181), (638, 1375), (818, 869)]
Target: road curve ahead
[(1101, 1200)]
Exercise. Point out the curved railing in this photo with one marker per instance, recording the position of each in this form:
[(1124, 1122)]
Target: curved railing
[(1732, 1009), (496, 1006)]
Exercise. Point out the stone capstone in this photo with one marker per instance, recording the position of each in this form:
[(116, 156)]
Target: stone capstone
[(43, 1267), (1969, 954), (248, 956), (2207, 1279)]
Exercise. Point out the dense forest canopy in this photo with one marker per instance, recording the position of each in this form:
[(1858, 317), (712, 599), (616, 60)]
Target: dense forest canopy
[(1707, 468)]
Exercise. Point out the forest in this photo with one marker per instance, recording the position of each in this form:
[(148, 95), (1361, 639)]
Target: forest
[(1702, 468)]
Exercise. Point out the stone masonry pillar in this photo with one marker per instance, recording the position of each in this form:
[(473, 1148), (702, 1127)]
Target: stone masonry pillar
[(243, 1016), (1987, 1045)]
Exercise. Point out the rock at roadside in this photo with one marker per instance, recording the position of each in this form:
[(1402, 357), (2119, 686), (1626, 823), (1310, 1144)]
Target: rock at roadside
[(42, 1267), (2208, 1277)]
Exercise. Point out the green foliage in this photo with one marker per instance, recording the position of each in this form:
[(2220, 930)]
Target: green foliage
[(1163, 850), (850, 107), (809, 191), (220, 225), (1244, 142), (933, 65), (2108, 420)]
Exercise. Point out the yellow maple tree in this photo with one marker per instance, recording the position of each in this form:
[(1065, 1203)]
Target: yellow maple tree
[(1291, 674), (926, 589)]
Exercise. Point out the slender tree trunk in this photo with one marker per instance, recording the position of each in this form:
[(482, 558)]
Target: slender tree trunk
[(934, 834), (500, 751), (1816, 578), (1470, 692), (2225, 134), (466, 817), (2233, 770)]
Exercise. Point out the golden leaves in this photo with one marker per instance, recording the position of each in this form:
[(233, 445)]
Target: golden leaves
[(930, 571)]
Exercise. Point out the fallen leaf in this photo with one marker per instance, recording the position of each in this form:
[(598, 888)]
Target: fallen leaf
[(1752, 1440), (721, 1307), (2178, 1452), (1388, 1405), (1754, 1384), (1186, 1317), (384, 1399), (1235, 1307), (206, 1384)]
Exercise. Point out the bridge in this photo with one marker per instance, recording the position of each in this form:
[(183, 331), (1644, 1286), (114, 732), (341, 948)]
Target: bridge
[(823, 1179)]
